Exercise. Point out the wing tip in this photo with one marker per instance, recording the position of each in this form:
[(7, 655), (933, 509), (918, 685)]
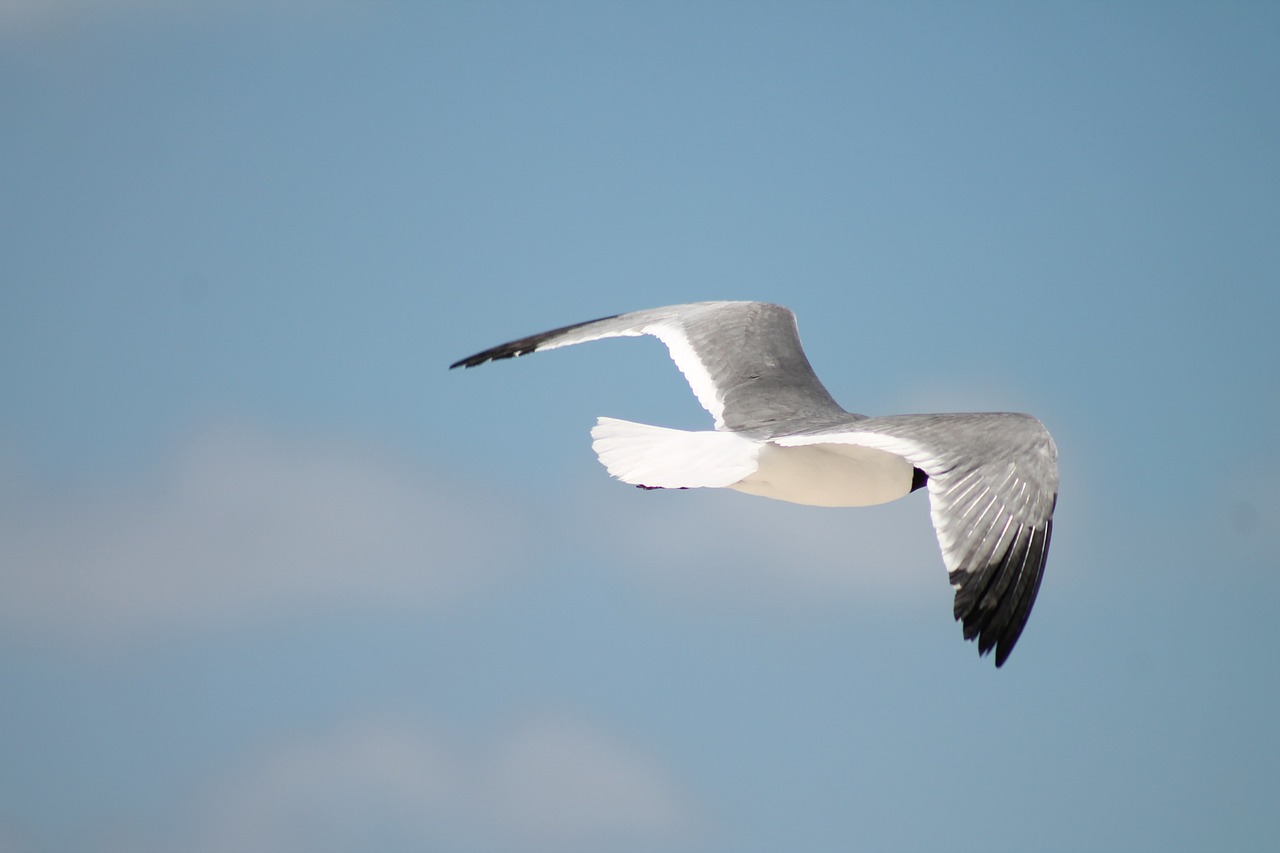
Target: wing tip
[(526, 345), (998, 624), (494, 354)]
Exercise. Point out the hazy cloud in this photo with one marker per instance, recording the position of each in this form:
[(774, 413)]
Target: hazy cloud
[(757, 551), (545, 783), (240, 524), (34, 18)]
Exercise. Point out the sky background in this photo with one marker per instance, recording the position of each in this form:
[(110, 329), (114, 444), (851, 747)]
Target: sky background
[(274, 579)]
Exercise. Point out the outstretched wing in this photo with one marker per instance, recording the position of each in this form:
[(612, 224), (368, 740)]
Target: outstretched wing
[(743, 360), (993, 485)]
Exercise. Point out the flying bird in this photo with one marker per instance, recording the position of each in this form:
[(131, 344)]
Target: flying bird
[(992, 478)]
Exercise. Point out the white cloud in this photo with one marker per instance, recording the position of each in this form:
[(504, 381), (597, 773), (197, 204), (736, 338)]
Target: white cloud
[(562, 786), (240, 525), (759, 552), (546, 783)]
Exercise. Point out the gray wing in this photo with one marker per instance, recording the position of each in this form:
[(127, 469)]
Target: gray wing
[(993, 486), (743, 360)]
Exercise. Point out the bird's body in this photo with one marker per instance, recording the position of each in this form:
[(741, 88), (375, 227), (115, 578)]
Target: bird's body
[(992, 477)]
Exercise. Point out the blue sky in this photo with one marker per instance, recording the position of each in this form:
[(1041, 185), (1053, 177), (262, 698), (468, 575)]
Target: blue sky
[(277, 580)]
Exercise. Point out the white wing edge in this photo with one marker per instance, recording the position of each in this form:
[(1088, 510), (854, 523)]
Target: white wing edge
[(671, 333)]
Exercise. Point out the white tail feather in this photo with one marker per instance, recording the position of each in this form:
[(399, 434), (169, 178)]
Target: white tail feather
[(659, 457)]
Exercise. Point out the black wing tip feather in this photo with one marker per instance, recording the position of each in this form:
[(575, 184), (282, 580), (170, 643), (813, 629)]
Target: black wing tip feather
[(523, 346), (511, 350), (1014, 580)]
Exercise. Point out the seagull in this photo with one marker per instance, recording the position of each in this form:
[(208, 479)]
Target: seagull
[(992, 477)]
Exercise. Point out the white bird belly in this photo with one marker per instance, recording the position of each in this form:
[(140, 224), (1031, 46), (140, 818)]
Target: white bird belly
[(828, 475)]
